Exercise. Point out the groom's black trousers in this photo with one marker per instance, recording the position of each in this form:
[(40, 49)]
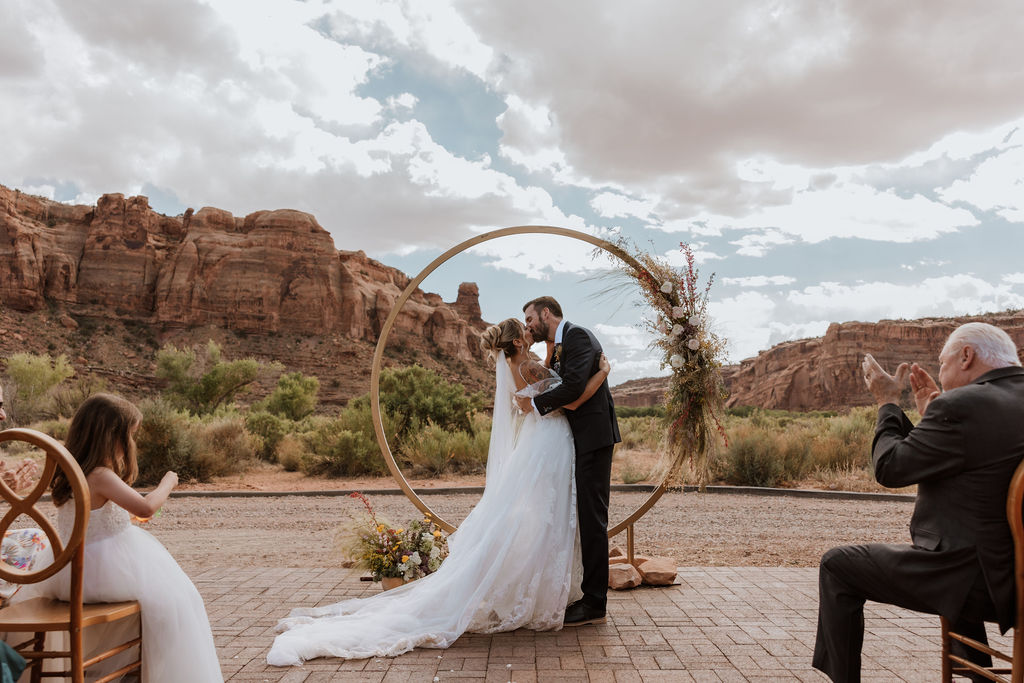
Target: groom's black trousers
[(593, 482)]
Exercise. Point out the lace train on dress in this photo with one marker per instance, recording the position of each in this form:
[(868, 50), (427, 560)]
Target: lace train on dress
[(513, 563)]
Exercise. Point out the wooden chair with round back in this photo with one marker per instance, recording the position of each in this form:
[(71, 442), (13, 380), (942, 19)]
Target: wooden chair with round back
[(954, 664), (40, 616)]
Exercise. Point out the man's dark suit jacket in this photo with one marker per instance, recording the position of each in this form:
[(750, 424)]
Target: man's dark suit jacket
[(593, 423), (962, 456)]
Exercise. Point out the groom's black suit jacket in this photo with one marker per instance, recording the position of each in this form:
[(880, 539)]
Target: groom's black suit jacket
[(962, 456), (593, 423)]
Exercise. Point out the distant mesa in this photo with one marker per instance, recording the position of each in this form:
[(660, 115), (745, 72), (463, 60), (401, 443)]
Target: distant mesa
[(275, 275), (824, 373)]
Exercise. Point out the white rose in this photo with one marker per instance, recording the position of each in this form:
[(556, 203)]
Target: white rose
[(695, 320), (666, 287), (676, 360), (679, 312), (677, 330), (414, 559), (693, 344)]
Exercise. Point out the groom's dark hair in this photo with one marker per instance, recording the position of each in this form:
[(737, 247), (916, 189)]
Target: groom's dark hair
[(542, 302)]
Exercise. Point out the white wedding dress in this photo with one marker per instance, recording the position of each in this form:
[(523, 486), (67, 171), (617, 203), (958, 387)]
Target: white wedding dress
[(124, 562), (513, 563)]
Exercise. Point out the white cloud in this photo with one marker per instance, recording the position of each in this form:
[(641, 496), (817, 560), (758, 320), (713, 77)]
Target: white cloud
[(1014, 278), (940, 296), (759, 243), (615, 205), (996, 185), (759, 280)]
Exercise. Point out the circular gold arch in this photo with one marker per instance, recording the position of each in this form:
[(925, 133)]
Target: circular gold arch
[(378, 356)]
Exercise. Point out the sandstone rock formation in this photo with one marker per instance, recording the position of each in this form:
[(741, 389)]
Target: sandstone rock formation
[(267, 274), (824, 373)]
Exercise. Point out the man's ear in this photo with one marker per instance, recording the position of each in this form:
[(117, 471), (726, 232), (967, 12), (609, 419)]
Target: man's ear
[(967, 357)]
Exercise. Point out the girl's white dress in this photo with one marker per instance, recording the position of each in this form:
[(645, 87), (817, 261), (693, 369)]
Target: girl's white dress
[(513, 563), (124, 562)]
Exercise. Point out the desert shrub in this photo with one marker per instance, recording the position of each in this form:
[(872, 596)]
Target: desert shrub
[(67, 396), (223, 446), (270, 429), (34, 377), (416, 396), (291, 452), (337, 452), (642, 432), (295, 396), (845, 441), (57, 427), (751, 459), (631, 473), (200, 383), (433, 450), (165, 442), (639, 411)]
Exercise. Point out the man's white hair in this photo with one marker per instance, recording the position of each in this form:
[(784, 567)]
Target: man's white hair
[(991, 345)]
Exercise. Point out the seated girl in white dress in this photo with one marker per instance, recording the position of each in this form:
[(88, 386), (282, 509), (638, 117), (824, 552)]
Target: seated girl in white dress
[(123, 562)]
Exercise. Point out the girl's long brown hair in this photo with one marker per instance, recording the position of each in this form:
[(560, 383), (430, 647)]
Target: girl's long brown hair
[(101, 424)]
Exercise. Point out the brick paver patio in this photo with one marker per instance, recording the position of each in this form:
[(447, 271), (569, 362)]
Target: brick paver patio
[(718, 624)]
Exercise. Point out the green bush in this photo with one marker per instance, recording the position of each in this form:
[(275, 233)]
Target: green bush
[(642, 432), (433, 451), (57, 428), (639, 411), (295, 396), (165, 442), (223, 446), (34, 378), (416, 396), (750, 460), (67, 396), (200, 383), (169, 439), (291, 453), (845, 442), (335, 451), (271, 429)]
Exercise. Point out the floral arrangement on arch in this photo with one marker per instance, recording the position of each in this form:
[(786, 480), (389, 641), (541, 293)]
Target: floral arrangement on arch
[(387, 551), (696, 394)]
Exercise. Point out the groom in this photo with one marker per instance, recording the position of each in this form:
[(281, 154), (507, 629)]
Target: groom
[(595, 432)]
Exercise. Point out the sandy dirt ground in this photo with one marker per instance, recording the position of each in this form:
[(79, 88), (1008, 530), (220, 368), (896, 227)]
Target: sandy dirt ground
[(697, 529)]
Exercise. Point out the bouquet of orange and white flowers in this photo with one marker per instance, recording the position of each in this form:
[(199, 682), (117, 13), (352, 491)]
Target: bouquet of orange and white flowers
[(387, 551)]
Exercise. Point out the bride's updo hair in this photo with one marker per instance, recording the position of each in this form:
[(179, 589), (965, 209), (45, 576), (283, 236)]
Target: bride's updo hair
[(500, 337)]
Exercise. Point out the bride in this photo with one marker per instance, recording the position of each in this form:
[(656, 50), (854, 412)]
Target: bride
[(514, 561)]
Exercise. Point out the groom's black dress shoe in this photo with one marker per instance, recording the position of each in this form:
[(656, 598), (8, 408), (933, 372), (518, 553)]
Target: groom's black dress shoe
[(578, 614)]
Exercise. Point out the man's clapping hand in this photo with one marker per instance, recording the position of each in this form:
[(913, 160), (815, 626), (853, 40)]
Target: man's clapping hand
[(923, 386), (884, 387)]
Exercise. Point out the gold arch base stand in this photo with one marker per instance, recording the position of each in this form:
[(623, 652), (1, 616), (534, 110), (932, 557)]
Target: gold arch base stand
[(378, 357)]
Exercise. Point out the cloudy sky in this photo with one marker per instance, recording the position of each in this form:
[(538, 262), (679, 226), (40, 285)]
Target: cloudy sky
[(829, 161)]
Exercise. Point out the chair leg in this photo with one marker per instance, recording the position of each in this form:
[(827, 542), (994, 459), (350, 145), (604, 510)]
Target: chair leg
[(947, 665), (1017, 665)]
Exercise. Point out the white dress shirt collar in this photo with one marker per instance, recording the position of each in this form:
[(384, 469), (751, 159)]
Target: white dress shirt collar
[(559, 330)]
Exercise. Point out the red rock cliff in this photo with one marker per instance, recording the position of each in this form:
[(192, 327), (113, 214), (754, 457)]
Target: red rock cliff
[(267, 273), (824, 373)]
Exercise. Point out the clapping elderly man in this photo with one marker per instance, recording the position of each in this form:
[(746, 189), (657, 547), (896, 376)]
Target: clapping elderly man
[(962, 456)]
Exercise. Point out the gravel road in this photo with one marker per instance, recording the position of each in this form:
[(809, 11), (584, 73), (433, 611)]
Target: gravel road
[(697, 529)]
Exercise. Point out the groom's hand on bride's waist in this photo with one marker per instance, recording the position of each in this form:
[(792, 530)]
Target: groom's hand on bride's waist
[(525, 403)]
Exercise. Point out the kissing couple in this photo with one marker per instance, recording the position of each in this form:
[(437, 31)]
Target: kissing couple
[(538, 539)]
